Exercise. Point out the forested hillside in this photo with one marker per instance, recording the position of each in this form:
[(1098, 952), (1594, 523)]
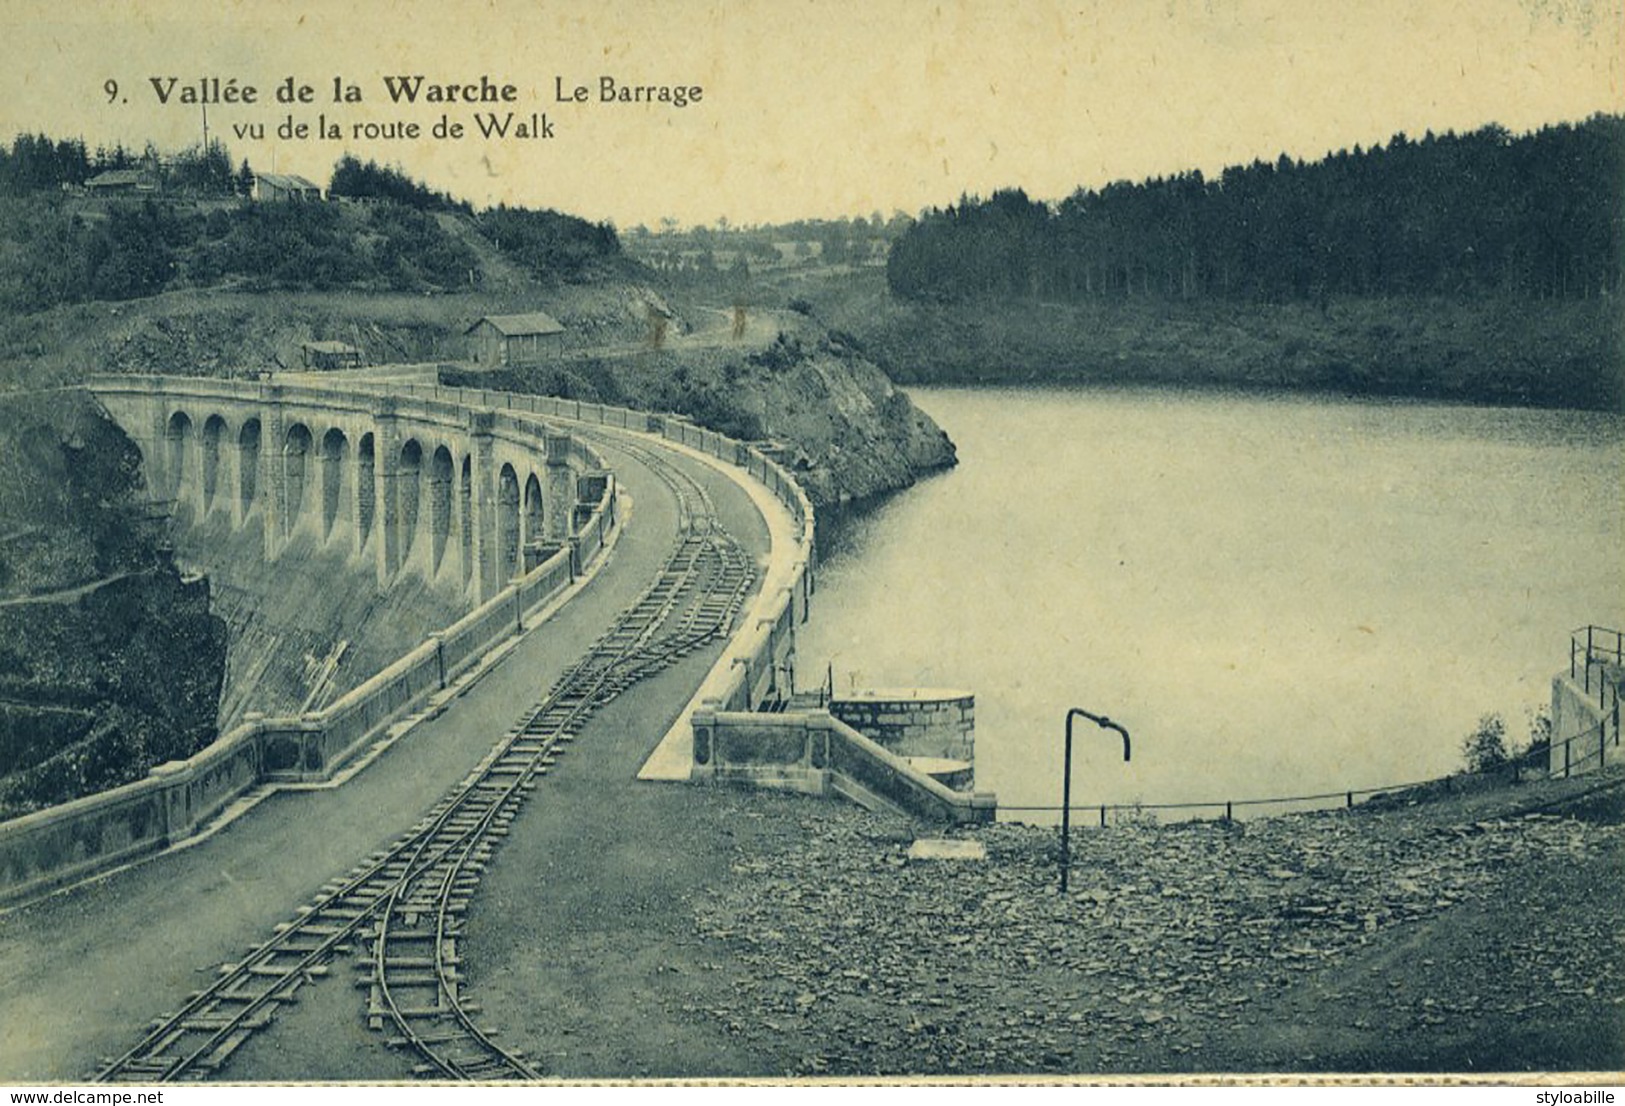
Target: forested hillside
[(1536, 216), (192, 225)]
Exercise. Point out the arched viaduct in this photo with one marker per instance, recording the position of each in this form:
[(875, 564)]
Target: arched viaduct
[(466, 499)]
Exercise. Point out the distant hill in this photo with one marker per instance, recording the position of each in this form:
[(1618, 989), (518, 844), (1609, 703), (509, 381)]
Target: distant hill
[(1478, 268)]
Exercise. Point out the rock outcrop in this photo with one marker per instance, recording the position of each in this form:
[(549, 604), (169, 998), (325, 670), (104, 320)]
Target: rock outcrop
[(110, 660), (807, 394)]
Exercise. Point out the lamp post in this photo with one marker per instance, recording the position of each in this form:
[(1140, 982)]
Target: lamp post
[(1066, 782)]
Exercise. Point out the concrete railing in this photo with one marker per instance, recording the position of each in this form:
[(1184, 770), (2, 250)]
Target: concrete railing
[(816, 753), (65, 843)]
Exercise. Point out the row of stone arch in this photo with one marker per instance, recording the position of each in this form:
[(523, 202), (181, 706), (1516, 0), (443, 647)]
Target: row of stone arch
[(331, 489)]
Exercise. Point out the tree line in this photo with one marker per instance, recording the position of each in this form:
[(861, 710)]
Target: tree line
[(51, 254), (357, 180), (1537, 215), (55, 248), (550, 244), (38, 163)]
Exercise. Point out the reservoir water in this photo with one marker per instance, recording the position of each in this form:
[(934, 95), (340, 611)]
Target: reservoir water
[(1276, 594)]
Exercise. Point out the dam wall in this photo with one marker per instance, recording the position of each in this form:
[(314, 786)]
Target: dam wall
[(66, 843), (509, 509), (463, 496)]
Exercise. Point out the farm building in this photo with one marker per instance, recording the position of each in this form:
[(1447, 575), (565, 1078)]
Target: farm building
[(281, 187), (330, 355), (515, 339)]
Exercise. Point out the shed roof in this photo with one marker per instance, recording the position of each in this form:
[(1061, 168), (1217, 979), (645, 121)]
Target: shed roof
[(115, 178), (329, 347), (288, 182), (533, 322)]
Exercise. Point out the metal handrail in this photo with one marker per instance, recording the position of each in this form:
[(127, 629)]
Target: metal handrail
[(1596, 651)]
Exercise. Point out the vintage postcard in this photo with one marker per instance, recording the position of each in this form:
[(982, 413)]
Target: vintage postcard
[(768, 541)]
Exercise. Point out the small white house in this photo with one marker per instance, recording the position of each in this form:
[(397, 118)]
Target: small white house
[(116, 182)]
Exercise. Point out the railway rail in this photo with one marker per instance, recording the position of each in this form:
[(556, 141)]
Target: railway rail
[(400, 911)]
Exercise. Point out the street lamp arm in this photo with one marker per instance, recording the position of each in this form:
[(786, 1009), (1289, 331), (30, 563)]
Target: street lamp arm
[(1103, 722)]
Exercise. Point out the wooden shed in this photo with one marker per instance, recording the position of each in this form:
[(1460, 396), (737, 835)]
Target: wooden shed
[(121, 181), (500, 340), (330, 355), (282, 187)]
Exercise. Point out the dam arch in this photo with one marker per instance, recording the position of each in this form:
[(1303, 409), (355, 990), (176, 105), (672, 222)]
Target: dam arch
[(296, 449), (177, 442), (408, 492), (214, 429), (533, 533), (366, 490), (440, 500), (335, 455), (248, 466), (507, 522), (465, 501)]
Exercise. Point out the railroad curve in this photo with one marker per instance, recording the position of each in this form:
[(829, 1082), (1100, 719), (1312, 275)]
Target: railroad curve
[(401, 909)]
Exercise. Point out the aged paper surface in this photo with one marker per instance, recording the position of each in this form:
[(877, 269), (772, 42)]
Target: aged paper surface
[(692, 112)]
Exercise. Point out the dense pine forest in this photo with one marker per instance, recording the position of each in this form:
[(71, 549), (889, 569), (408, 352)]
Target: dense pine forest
[(1537, 216)]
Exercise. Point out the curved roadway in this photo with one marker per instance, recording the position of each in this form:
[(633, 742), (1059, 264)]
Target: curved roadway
[(82, 972)]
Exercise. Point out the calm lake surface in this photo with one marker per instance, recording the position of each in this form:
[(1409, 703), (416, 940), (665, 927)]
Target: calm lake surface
[(1275, 594)]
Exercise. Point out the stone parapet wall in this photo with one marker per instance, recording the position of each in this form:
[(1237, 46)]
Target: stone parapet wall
[(926, 722)]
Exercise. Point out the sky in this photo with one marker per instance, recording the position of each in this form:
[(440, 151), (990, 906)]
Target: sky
[(809, 109)]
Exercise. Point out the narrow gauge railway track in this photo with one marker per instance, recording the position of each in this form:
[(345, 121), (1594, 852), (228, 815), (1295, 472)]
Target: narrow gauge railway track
[(401, 910)]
